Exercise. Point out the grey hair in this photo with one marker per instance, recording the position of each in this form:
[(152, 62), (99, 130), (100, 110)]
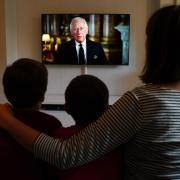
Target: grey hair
[(77, 19)]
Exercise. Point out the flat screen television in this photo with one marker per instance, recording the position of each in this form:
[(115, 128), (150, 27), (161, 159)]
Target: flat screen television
[(111, 31)]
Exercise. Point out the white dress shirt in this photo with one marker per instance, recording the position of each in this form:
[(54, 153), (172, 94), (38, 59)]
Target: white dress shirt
[(83, 46)]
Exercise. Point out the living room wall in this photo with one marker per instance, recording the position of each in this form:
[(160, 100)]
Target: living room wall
[(21, 37), (23, 28)]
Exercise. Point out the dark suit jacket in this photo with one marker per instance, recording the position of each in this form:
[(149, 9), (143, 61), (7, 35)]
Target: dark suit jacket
[(68, 55)]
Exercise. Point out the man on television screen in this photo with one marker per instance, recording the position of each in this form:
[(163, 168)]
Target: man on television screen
[(80, 50)]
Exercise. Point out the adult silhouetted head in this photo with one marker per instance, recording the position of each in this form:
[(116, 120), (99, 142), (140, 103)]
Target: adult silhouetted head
[(163, 46)]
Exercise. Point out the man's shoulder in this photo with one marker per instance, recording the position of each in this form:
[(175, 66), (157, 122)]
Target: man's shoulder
[(68, 43), (67, 46), (66, 132), (38, 120), (92, 42)]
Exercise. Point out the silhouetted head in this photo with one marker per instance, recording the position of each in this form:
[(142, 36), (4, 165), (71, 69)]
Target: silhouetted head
[(86, 98), (25, 83), (163, 46)]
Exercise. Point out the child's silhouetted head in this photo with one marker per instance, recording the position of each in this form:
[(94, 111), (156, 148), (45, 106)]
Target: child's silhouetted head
[(25, 83), (86, 98)]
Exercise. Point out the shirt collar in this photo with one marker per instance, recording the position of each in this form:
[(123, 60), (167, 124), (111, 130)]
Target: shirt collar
[(83, 43)]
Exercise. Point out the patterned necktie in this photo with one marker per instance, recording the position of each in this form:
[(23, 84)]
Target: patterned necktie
[(81, 55)]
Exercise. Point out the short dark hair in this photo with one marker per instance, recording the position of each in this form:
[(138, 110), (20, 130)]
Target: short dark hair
[(163, 46), (86, 98), (25, 82)]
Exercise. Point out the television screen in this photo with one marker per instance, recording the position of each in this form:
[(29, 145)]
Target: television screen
[(107, 39)]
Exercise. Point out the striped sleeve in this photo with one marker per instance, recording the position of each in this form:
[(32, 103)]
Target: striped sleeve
[(116, 126)]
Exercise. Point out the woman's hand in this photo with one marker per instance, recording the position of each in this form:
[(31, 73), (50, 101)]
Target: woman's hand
[(6, 114)]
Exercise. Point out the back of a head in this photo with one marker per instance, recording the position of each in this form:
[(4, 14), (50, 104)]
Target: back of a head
[(162, 46), (25, 83), (86, 98)]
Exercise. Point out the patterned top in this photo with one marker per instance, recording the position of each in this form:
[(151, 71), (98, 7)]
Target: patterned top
[(145, 120)]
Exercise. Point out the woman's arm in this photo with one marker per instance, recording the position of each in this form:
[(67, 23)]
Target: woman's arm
[(116, 126), (25, 135)]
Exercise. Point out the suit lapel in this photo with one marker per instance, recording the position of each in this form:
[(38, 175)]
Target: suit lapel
[(74, 52), (89, 50)]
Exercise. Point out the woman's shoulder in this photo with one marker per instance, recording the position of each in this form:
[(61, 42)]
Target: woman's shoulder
[(147, 88)]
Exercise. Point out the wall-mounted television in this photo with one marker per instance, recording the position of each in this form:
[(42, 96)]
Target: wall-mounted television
[(111, 31)]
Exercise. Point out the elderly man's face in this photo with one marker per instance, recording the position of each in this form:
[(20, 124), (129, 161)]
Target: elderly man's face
[(79, 31)]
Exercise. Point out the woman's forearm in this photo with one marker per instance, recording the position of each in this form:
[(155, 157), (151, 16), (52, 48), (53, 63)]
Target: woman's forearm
[(25, 135)]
